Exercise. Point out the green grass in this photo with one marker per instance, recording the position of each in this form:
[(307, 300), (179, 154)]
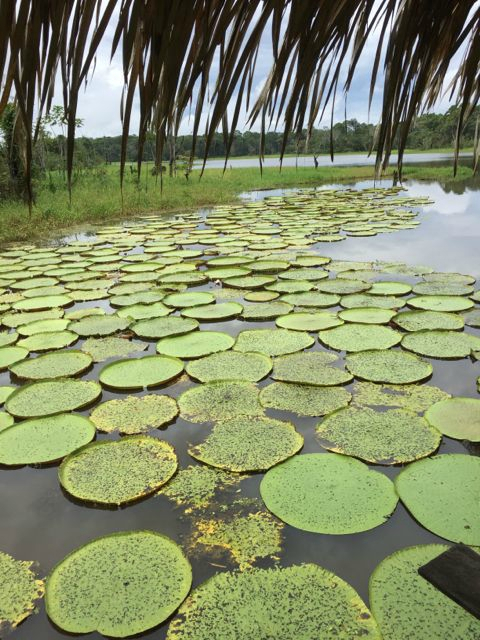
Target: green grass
[(97, 199)]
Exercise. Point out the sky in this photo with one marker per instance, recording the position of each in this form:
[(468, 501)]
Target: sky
[(99, 102)]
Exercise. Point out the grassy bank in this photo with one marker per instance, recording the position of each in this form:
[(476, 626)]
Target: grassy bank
[(97, 199)]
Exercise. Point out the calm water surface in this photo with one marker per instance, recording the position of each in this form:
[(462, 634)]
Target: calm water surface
[(39, 522)]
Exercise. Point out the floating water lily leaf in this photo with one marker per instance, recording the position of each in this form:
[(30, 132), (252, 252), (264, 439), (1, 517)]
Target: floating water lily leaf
[(265, 310), (104, 348), (164, 327), (48, 341), (6, 391), (343, 286), (8, 338), (134, 415), (42, 326), (188, 299), (14, 320), (138, 373), (472, 318), (261, 296), (230, 365), (118, 472), (394, 436), (310, 368), (99, 325), (9, 355), (42, 302), (428, 320), (360, 337), (119, 585), (141, 311), (290, 286), (328, 493), (214, 312), (442, 289), (44, 440), (405, 605), (58, 364), (20, 590), (416, 398), (385, 288), (457, 418), (6, 420), (248, 444), (442, 493), (312, 299), (249, 282), (220, 401), (49, 397), (78, 314), (273, 342), (304, 321), (440, 303), (441, 344), (195, 344), (304, 399), (362, 300), (390, 367), (367, 315), (259, 604)]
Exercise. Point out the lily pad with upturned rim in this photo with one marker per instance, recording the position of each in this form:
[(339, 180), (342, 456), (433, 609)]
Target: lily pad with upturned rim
[(230, 365), (304, 321), (48, 341), (10, 355), (367, 315), (220, 400), (364, 300), (195, 344), (441, 344), (188, 299), (265, 310), (312, 299), (312, 368), (413, 397), (58, 364), (104, 348), (134, 415), (440, 303), (388, 366), (428, 320), (272, 342), (138, 373), (360, 337), (304, 399), (457, 418), (141, 311), (155, 328), (214, 312), (42, 302), (99, 326), (388, 288)]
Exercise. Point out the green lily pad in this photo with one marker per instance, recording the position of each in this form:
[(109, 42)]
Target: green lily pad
[(442, 289), (472, 318), (290, 286), (44, 440), (138, 373), (310, 274), (312, 299), (8, 338), (310, 368), (442, 493), (405, 605), (142, 311), (6, 420), (78, 314), (104, 348), (48, 397), (195, 344), (272, 342), (220, 401), (428, 320), (385, 288), (42, 302), (440, 303), (42, 326), (58, 364), (99, 325), (394, 436), (119, 585), (342, 286), (304, 321), (164, 327), (360, 337), (131, 298), (10, 355), (416, 398), (261, 296), (457, 418), (197, 485), (367, 315), (133, 415), (328, 493), (221, 273), (14, 320), (20, 590), (230, 365), (390, 367), (214, 312), (188, 299), (258, 604), (249, 282), (118, 472), (6, 391), (304, 399), (363, 300), (248, 444), (449, 277), (265, 310), (48, 341), (441, 344)]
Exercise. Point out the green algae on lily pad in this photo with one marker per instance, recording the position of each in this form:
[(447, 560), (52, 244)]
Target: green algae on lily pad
[(364, 300), (214, 312), (305, 321), (442, 289), (311, 368), (428, 320), (118, 472), (133, 415), (104, 348), (163, 327), (273, 342), (220, 400), (304, 399), (20, 591), (328, 493), (188, 299), (301, 601), (443, 494), (43, 440), (48, 341), (265, 310), (98, 326), (248, 444), (195, 344), (10, 355), (440, 303), (196, 486), (261, 296), (141, 311), (342, 286), (367, 315), (312, 299), (360, 337), (457, 418), (413, 397), (119, 585), (441, 344), (49, 397), (394, 436), (249, 282), (230, 365), (387, 366), (138, 373), (405, 605), (58, 364)]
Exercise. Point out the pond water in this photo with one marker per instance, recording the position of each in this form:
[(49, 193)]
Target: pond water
[(41, 522)]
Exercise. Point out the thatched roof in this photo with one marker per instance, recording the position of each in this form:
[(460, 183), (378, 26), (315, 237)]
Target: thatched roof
[(168, 49)]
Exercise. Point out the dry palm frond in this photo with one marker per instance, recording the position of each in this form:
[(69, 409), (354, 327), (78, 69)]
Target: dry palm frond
[(179, 53)]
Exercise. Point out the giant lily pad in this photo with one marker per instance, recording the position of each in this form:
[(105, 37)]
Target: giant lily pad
[(117, 472), (188, 299), (248, 444), (14, 320), (417, 398), (394, 436), (19, 592), (8, 338), (195, 344), (304, 399), (141, 311), (391, 367), (44, 440), (428, 320), (367, 315), (457, 418), (440, 303), (214, 312), (310, 368), (57, 364), (265, 310), (99, 325), (443, 494), (343, 286), (164, 327), (385, 288), (119, 585), (230, 365), (405, 605), (304, 321), (42, 326), (104, 348), (328, 494), (441, 344), (312, 299), (220, 401), (359, 337), (273, 342), (138, 373), (48, 341), (39, 303), (365, 300), (134, 415), (10, 355), (48, 397)]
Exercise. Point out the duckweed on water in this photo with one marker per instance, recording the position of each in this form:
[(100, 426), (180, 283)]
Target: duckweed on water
[(196, 486), (104, 348), (20, 590), (413, 397), (272, 342), (304, 399), (220, 400)]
